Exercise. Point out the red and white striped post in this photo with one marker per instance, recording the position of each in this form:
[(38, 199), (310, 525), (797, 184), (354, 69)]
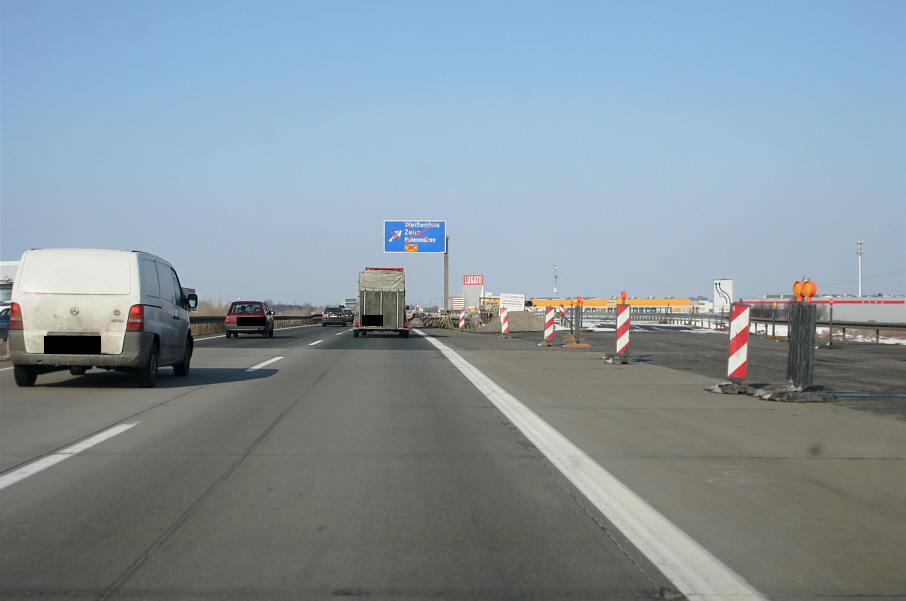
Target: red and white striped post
[(622, 329), (462, 321), (549, 326), (739, 341), (504, 322)]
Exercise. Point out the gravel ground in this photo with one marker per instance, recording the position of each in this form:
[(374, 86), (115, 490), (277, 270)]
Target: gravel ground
[(519, 321)]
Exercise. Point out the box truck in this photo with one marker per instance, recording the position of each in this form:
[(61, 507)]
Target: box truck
[(381, 305)]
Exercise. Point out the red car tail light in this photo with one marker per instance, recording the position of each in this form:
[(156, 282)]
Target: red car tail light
[(230, 319), (136, 321), (15, 317)]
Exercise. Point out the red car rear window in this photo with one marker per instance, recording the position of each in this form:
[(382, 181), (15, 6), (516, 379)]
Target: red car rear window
[(246, 309)]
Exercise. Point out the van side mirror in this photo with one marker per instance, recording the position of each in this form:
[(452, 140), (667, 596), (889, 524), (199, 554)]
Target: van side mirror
[(193, 301)]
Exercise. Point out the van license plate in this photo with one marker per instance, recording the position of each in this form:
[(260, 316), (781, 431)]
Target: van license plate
[(72, 345)]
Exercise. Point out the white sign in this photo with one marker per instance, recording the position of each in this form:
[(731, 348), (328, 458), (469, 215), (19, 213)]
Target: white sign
[(723, 295), (512, 302)]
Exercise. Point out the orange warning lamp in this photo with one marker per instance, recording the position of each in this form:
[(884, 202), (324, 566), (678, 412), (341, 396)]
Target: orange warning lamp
[(809, 289), (623, 296), (805, 290)]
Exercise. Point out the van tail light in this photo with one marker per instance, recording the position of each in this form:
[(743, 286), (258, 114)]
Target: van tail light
[(15, 317), (136, 321)]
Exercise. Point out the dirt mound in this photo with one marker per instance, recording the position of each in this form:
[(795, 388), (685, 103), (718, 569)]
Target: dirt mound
[(520, 321)]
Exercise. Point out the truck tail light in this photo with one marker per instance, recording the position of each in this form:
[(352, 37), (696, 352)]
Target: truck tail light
[(15, 317), (136, 321)]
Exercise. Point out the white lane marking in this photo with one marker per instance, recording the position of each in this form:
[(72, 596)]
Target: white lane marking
[(339, 333), (688, 565), (45, 462), (315, 342), (264, 363)]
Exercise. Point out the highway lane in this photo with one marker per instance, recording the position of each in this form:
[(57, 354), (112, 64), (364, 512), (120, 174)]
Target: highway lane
[(347, 467)]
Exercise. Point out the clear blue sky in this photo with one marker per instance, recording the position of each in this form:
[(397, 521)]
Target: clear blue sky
[(640, 146)]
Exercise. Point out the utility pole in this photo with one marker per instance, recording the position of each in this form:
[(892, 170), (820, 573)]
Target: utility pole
[(859, 252)]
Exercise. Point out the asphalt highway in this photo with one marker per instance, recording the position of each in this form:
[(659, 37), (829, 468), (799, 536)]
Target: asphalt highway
[(315, 465)]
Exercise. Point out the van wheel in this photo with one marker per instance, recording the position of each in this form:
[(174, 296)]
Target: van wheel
[(271, 334), (78, 371), (25, 375), (147, 373), (182, 368)]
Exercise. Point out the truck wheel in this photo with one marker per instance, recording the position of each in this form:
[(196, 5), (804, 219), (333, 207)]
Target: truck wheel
[(355, 333), (181, 369), (147, 373), (25, 375), (404, 333), (78, 371)]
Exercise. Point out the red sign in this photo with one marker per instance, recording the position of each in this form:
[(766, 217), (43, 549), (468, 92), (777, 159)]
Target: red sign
[(473, 280)]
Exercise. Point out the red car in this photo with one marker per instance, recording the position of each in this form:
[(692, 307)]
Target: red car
[(249, 317)]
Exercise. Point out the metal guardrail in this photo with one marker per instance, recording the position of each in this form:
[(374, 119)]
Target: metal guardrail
[(721, 322), (210, 324)]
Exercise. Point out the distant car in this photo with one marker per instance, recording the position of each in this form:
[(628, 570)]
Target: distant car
[(333, 316), (249, 317), (4, 323), (350, 316)]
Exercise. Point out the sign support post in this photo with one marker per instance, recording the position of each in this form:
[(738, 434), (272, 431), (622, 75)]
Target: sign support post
[(447, 274)]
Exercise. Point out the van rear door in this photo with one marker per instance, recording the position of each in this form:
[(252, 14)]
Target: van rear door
[(76, 301)]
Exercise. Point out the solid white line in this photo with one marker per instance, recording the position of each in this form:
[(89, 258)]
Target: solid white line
[(45, 462), (688, 565), (260, 365), (315, 342)]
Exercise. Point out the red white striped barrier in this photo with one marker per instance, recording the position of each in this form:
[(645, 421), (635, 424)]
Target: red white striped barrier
[(622, 329), (504, 322), (462, 320), (549, 324), (739, 341)]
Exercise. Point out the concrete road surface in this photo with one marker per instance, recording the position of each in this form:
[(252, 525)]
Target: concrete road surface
[(314, 465)]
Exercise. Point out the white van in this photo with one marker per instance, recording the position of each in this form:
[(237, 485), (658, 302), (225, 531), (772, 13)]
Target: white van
[(78, 308)]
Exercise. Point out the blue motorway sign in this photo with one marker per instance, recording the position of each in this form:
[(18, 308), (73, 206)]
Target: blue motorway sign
[(415, 236)]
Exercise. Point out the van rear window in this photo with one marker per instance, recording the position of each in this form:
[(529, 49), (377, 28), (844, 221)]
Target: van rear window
[(76, 273)]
